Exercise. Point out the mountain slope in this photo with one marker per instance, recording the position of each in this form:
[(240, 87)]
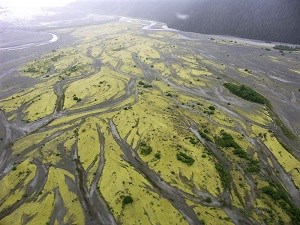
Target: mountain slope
[(274, 20)]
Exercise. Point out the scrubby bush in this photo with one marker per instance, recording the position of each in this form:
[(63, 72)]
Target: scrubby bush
[(246, 93), (253, 166), (273, 193), (208, 200), (240, 153), (282, 198), (224, 176), (193, 141), (145, 149), (226, 141), (212, 107), (204, 135), (31, 70), (127, 200), (286, 48), (181, 156), (145, 85), (157, 155), (75, 98)]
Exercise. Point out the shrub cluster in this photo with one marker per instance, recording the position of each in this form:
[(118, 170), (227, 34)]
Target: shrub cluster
[(31, 70), (246, 93), (204, 135), (157, 155), (286, 48), (283, 200), (227, 141), (145, 148), (75, 98), (181, 156), (253, 166), (127, 200), (145, 85), (193, 140), (224, 175)]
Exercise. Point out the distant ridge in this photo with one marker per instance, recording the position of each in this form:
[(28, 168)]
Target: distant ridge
[(275, 20)]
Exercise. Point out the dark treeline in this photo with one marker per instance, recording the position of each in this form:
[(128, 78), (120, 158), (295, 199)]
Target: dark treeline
[(269, 20)]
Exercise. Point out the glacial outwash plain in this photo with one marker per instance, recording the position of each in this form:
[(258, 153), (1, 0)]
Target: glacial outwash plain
[(134, 123)]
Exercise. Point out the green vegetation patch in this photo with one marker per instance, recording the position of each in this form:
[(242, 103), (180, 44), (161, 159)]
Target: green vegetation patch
[(274, 193), (224, 176), (157, 155), (56, 58), (283, 200), (204, 135), (145, 149), (181, 156), (145, 85), (193, 140), (127, 200), (169, 94), (246, 93), (286, 48), (240, 153), (227, 141), (253, 166), (212, 108), (75, 98), (31, 70)]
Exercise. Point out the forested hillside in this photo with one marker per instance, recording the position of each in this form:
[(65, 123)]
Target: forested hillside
[(276, 20)]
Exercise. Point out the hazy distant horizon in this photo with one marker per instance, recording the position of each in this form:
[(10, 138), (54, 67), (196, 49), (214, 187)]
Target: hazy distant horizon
[(256, 19)]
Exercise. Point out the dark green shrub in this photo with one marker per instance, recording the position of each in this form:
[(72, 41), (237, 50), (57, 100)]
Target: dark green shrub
[(246, 93), (31, 70), (286, 48), (127, 200), (145, 85), (181, 156), (224, 176), (212, 107), (281, 222), (145, 149), (157, 155), (193, 141), (204, 136), (274, 193), (282, 199), (208, 200), (227, 141), (240, 153), (253, 166)]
